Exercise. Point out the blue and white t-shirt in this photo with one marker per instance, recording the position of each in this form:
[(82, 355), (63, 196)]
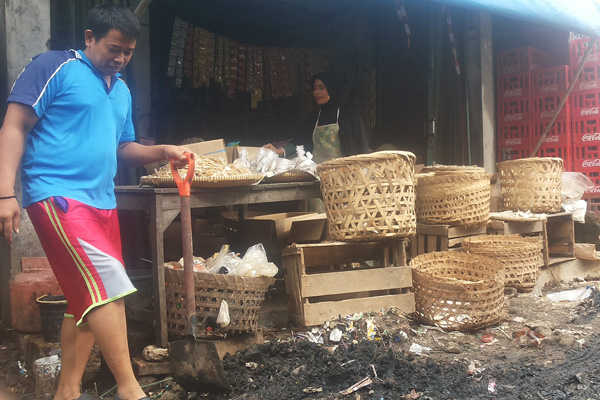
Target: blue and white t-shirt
[(72, 150)]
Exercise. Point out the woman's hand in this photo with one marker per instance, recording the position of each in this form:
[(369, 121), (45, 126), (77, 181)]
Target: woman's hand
[(275, 149)]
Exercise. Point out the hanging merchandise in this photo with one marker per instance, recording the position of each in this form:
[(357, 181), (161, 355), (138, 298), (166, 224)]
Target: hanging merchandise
[(188, 52), (452, 41), (401, 12), (242, 57), (175, 66), (220, 59)]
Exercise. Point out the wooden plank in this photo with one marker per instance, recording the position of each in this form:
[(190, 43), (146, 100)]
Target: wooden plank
[(413, 247), (432, 243), (444, 243), (560, 231), (338, 253), (420, 244), (461, 231), (425, 229), (145, 368), (318, 313), (340, 282), (522, 227), (496, 225)]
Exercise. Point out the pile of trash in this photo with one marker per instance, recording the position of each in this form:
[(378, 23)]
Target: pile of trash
[(254, 263)]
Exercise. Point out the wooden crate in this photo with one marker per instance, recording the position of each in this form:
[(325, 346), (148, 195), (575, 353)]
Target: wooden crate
[(430, 238), (326, 280), (534, 229)]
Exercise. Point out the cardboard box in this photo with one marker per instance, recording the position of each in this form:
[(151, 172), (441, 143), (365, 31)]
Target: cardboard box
[(275, 231), (235, 152), (210, 147)]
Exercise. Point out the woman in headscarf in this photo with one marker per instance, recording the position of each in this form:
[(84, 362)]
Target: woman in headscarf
[(334, 130)]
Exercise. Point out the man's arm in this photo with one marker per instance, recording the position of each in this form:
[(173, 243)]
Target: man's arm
[(136, 155), (19, 120)]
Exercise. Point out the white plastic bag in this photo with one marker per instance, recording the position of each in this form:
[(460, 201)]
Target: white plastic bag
[(255, 263), (265, 162), (577, 208), (242, 160), (223, 318), (574, 184), (225, 262)]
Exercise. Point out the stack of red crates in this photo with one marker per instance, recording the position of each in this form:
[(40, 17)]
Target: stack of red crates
[(514, 90), (586, 118)]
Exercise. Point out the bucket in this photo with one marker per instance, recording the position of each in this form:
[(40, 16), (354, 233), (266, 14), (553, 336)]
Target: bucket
[(52, 312), (46, 371)]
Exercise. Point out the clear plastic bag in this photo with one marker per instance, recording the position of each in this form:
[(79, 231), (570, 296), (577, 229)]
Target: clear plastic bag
[(255, 263), (304, 162), (242, 160), (574, 184), (265, 162), (225, 262)]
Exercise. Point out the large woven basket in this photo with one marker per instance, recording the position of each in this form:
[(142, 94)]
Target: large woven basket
[(369, 196), (453, 195), (518, 255), (244, 296), (531, 184), (458, 291)]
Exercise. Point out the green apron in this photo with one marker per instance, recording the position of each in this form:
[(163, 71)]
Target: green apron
[(326, 140), (326, 147)]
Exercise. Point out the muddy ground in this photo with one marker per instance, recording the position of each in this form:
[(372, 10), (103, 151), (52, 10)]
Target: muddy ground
[(543, 350)]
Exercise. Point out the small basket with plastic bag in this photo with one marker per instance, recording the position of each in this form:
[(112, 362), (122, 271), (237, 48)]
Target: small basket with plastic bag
[(229, 292)]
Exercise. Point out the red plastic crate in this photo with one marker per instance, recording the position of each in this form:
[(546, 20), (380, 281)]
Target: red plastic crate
[(559, 134), (517, 134), (564, 152), (513, 111), (589, 78), (585, 104), (578, 48), (521, 60), (544, 107), (594, 175), (511, 87), (586, 130), (550, 80), (513, 152), (586, 158), (593, 200)]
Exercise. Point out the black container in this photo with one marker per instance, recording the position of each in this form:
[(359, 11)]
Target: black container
[(52, 313)]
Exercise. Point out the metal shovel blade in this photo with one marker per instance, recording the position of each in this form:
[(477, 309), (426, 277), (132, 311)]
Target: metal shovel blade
[(197, 367)]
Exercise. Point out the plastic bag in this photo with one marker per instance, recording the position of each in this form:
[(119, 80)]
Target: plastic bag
[(224, 262), (574, 184), (577, 208), (304, 162), (223, 318), (265, 162), (255, 263), (242, 160)]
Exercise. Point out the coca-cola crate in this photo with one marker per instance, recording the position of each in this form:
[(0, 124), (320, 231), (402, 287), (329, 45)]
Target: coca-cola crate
[(511, 87), (560, 151), (578, 48), (558, 135), (593, 201), (586, 130), (589, 78), (550, 80), (513, 111), (516, 134), (585, 104), (521, 60), (544, 107), (586, 158), (594, 175), (513, 152)]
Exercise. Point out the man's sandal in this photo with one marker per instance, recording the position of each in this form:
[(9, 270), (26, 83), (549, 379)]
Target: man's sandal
[(143, 398)]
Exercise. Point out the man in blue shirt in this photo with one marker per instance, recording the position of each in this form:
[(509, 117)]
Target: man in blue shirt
[(67, 123)]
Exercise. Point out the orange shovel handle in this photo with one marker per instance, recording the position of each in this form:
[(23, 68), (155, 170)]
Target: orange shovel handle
[(184, 185)]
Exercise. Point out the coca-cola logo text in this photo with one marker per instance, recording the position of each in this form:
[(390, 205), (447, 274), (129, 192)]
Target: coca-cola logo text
[(513, 117), (591, 137), (595, 189), (513, 93), (590, 111), (514, 142), (588, 85), (549, 88), (552, 139), (547, 114), (591, 163), (591, 58)]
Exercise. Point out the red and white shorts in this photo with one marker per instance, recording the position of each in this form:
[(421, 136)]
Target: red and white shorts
[(83, 246)]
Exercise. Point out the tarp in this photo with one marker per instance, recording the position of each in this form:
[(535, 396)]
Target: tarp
[(580, 16)]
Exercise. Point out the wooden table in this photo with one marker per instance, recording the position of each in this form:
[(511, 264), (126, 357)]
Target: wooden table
[(163, 206)]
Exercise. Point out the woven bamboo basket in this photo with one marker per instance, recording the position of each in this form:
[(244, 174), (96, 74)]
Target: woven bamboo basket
[(531, 184), (518, 255), (243, 294), (369, 196), (458, 291), (457, 196)]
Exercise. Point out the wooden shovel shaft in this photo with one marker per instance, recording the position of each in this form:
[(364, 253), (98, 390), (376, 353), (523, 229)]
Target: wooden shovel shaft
[(188, 257)]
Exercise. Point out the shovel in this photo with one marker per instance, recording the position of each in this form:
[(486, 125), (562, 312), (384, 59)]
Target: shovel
[(195, 364)]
